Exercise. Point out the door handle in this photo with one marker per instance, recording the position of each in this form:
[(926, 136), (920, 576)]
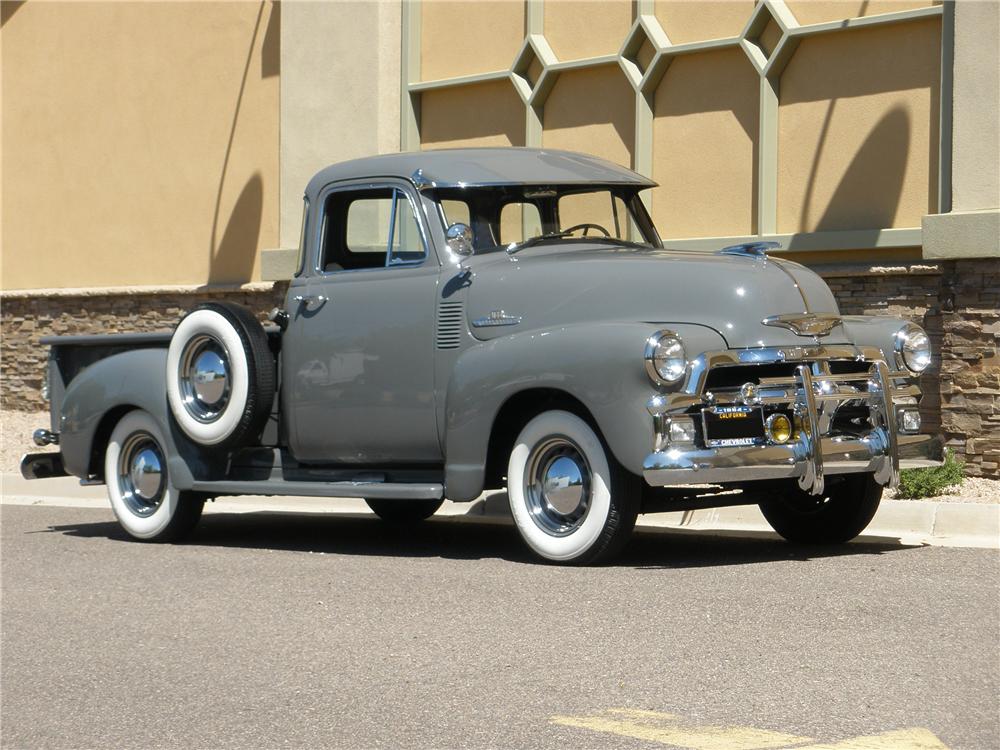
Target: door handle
[(309, 299)]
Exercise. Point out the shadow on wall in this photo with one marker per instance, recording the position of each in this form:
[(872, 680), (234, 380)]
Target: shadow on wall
[(571, 104), (8, 8), (233, 258), (270, 51), (488, 113), (886, 148), (877, 171), (721, 81)]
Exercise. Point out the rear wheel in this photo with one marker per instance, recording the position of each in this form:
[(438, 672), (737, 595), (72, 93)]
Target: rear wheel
[(570, 499), (138, 481), (404, 511), (836, 516)]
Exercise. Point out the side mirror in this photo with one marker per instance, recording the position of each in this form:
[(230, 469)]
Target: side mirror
[(458, 237)]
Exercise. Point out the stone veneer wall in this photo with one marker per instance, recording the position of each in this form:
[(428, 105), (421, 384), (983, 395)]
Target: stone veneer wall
[(957, 302), (29, 316)]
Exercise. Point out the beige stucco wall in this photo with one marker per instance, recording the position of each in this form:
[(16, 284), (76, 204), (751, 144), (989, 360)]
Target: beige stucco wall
[(818, 11), (858, 129), (592, 110), (704, 130), (458, 37), (140, 142), (340, 82), (976, 124), (483, 114), (697, 20), (585, 28)]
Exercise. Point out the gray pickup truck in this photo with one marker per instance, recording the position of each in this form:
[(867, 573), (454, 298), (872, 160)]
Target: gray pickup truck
[(473, 319)]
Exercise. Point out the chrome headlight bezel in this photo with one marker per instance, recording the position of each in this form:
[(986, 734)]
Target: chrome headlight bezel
[(665, 358), (913, 348)]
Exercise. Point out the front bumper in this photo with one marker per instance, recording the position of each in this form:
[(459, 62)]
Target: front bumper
[(790, 461), (812, 391)]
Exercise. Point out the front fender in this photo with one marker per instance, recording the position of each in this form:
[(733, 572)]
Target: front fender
[(601, 365), (875, 331), (130, 379)]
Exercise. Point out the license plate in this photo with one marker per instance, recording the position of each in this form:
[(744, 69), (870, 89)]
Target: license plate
[(733, 425)]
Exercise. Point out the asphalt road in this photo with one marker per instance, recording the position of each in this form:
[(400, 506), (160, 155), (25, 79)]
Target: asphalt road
[(271, 630)]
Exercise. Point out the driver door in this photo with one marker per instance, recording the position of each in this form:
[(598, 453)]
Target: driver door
[(358, 355)]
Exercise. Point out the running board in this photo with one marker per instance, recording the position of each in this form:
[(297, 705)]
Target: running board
[(368, 490)]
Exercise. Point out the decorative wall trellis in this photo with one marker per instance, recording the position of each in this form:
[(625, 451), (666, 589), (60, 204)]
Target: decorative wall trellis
[(769, 38)]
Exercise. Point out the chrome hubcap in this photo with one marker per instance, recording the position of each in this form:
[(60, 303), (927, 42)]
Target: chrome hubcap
[(557, 484), (204, 378), (141, 474)]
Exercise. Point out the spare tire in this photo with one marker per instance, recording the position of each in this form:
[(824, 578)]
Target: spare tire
[(220, 375)]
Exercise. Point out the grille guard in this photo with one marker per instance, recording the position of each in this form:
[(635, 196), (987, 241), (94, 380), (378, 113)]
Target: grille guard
[(811, 385)]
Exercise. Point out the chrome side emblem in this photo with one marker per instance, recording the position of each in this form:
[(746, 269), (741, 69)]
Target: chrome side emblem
[(495, 319), (807, 324)]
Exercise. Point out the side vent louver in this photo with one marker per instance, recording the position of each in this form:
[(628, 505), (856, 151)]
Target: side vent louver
[(449, 325)]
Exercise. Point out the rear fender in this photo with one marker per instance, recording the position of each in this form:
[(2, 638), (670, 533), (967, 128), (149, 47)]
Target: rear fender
[(105, 391)]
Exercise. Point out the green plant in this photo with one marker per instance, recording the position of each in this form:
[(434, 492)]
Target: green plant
[(931, 482)]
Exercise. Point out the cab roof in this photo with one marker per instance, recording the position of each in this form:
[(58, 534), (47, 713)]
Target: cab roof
[(481, 167)]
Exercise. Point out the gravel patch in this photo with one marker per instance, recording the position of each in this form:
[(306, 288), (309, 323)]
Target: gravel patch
[(972, 490), (15, 437), (16, 428)]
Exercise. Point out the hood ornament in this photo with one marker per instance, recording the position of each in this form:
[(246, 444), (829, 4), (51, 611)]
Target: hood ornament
[(750, 249), (805, 324), (495, 319)]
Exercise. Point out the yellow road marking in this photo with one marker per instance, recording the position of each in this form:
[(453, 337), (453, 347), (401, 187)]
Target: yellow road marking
[(673, 731), (901, 739), (668, 729)]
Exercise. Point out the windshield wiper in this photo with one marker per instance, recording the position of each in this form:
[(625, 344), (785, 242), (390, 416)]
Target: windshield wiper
[(514, 247)]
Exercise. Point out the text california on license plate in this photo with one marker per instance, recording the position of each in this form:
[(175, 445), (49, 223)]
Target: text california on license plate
[(733, 425)]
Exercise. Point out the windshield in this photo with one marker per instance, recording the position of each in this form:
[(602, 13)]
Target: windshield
[(511, 216)]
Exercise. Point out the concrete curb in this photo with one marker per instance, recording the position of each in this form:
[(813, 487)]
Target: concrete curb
[(922, 522)]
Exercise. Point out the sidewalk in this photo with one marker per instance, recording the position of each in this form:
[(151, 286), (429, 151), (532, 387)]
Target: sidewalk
[(917, 522)]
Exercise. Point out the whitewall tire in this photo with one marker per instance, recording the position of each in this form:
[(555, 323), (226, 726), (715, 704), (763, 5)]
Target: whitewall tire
[(220, 375), (570, 499), (145, 503)]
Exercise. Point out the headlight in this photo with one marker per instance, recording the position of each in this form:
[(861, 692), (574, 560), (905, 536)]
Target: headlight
[(665, 358), (914, 347)]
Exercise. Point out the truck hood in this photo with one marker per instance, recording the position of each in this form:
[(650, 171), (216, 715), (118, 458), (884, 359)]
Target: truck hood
[(551, 286)]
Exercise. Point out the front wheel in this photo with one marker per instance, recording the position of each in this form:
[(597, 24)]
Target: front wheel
[(571, 501), (142, 498), (836, 516)]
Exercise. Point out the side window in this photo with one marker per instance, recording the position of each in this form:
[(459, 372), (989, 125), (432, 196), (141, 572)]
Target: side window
[(370, 228), (518, 222)]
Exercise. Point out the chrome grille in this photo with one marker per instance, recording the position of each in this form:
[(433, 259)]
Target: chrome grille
[(450, 322)]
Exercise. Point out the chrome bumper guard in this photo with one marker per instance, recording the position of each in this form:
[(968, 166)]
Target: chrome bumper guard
[(882, 451)]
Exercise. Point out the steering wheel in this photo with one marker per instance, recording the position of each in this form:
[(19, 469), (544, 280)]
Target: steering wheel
[(585, 226)]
